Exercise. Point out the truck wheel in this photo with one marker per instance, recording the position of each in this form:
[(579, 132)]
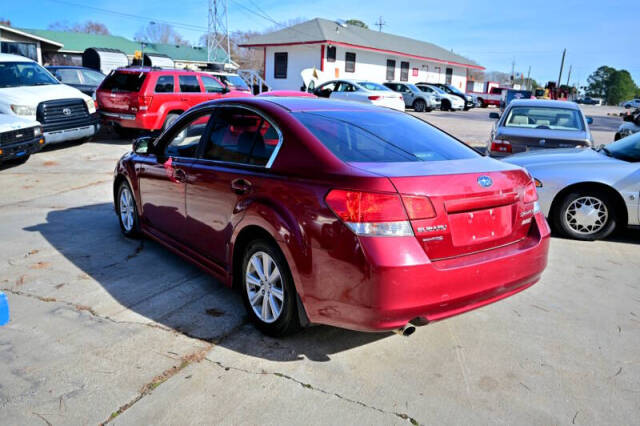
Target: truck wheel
[(419, 105), (481, 103)]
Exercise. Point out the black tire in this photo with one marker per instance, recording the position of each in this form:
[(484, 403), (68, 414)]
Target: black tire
[(169, 121), (617, 137), (446, 105), (287, 322), (419, 105), (561, 222), (19, 161), (133, 230)]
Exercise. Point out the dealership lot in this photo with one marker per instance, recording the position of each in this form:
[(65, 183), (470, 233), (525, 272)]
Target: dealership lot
[(105, 328)]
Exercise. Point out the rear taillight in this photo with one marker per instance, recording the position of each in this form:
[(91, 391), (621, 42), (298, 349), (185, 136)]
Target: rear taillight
[(144, 102), (530, 193), (418, 207), (370, 213), (374, 98), (499, 145)]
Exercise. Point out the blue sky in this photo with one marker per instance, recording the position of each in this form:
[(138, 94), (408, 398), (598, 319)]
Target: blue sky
[(492, 33)]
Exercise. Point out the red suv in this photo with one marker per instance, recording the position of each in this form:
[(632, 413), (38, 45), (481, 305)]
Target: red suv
[(151, 99)]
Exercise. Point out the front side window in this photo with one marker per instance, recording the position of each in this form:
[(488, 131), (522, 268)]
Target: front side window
[(211, 85), (544, 118), (164, 84), (68, 75), (189, 84), (280, 62), (185, 142), (241, 136), (404, 71), (17, 74), (349, 62), (382, 137), (331, 54)]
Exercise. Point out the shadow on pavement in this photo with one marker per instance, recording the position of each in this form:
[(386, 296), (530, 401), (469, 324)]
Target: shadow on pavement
[(147, 279)]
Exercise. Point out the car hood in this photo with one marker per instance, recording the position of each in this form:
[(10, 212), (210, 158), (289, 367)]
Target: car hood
[(11, 122), (568, 135), (33, 95), (555, 157)]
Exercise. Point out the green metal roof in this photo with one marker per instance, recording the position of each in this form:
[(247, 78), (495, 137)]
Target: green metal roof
[(78, 42)]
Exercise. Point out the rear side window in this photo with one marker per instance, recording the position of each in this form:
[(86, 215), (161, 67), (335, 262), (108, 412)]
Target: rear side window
[(164, 84), (124, 81), (189, 83), (382, 137), (241, 136)]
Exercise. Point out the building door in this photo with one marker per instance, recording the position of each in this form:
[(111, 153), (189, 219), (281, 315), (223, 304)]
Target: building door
[(391, 69), (448, 75)]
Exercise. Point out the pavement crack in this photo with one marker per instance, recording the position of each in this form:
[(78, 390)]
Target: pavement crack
[(42, 418), (308, 386)]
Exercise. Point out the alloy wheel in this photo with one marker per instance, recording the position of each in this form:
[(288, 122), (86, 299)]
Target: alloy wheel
[(586, 215), (127, 209), (265, 287)]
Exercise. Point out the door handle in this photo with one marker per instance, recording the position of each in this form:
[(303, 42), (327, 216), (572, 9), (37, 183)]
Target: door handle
[(180, 176), (240, 186)]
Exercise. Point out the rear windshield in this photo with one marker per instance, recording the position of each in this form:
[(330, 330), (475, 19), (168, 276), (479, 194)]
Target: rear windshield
[(544, 118), (382, 137), (124, 81)]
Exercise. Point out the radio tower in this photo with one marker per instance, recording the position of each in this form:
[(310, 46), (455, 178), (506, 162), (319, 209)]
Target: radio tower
[(218, 37)]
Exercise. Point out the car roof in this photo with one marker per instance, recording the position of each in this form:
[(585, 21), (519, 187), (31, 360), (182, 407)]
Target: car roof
[(8, 57), (301, 104), (544, 103)]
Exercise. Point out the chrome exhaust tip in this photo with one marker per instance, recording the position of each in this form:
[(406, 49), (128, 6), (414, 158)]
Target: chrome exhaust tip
[(405, 331)]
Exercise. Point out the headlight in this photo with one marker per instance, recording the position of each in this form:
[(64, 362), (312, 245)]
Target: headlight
[(91, 106), (37, 131), (23, 110)]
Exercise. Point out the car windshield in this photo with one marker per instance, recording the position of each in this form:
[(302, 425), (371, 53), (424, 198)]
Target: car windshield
[(234, 81), (124, 81), (453, 89), (544, 118), (438, 90), (372, 86), (627, 149), (382, 137), (16, 74)]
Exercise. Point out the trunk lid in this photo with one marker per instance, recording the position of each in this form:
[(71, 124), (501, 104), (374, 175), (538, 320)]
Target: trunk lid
[(535, 139), (119, 91)]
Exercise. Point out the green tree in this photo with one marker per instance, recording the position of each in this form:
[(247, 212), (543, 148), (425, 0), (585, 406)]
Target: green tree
[(599, 82), (357, 23), (621, 87)]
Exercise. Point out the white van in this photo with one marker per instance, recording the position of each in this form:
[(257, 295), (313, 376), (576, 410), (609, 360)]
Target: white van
[(29, 91)]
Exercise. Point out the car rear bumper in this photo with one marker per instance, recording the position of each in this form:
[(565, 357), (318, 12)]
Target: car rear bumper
[(146, 121), (19, 150), (403, 285)]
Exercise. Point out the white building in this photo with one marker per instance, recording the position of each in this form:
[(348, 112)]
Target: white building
[(346, 51)]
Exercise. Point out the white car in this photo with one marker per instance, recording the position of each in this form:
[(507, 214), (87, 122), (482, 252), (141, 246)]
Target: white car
[(19, 138), (29, 91), (361, 91), (633, 103), (448, 102)]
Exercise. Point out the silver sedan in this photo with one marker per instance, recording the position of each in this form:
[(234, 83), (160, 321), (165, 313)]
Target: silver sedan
[(587, 193)]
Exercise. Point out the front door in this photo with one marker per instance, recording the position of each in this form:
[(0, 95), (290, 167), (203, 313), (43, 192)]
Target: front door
[(232, 166), (163, 179)]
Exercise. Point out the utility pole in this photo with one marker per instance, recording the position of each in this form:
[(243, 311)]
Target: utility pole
[(218, 30), (513, 71), (380, 24), (569, 76), (564, 52), (529, 79)]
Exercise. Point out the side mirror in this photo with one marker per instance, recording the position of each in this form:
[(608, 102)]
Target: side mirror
[(494, 115), (143, 145), (589, 120)]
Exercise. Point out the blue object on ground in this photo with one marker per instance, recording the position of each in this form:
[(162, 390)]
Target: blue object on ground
[(4, 309)]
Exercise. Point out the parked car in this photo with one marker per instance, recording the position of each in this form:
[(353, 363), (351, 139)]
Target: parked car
[(233, 81), (288, 93), (151, 99), (85, 80), (447, 102), (452, 90), (509, 95), (318, 210), (533, 124), (413, 97), (492, 97), (630, 125), (589, 101), (360, 91), (19, 138), (588, 193), (29, 91), (633, 103)]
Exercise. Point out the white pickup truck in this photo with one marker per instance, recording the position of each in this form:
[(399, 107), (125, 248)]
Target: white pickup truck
[(29, 91), (19, 138)]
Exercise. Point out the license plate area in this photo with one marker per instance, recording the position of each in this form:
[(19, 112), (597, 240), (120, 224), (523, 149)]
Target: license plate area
[(480, 226)]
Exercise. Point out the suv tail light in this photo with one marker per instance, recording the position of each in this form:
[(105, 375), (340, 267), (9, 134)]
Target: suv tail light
[(374, 98), (499, 145), (370, 213), (144, 102)]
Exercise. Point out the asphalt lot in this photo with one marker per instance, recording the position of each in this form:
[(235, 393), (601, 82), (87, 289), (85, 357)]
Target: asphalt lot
[(108, 329)]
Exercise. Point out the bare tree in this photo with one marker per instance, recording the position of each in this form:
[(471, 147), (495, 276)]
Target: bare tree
[(88, 27), (160, 33)]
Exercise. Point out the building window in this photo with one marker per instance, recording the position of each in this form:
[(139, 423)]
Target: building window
[(448, 75), (331, 54), (28, 50), (404, 71), (391, 69), (349, 62), (280, 60)]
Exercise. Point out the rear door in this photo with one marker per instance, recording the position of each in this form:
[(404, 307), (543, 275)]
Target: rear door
[(232, 166), (119, 91), (191, 92)]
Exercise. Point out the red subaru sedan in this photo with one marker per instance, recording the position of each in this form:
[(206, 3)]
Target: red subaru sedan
[(327, 212)]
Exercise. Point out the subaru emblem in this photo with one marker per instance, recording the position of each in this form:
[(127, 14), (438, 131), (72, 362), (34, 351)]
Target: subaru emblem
[(485, 181), (66, 111)]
